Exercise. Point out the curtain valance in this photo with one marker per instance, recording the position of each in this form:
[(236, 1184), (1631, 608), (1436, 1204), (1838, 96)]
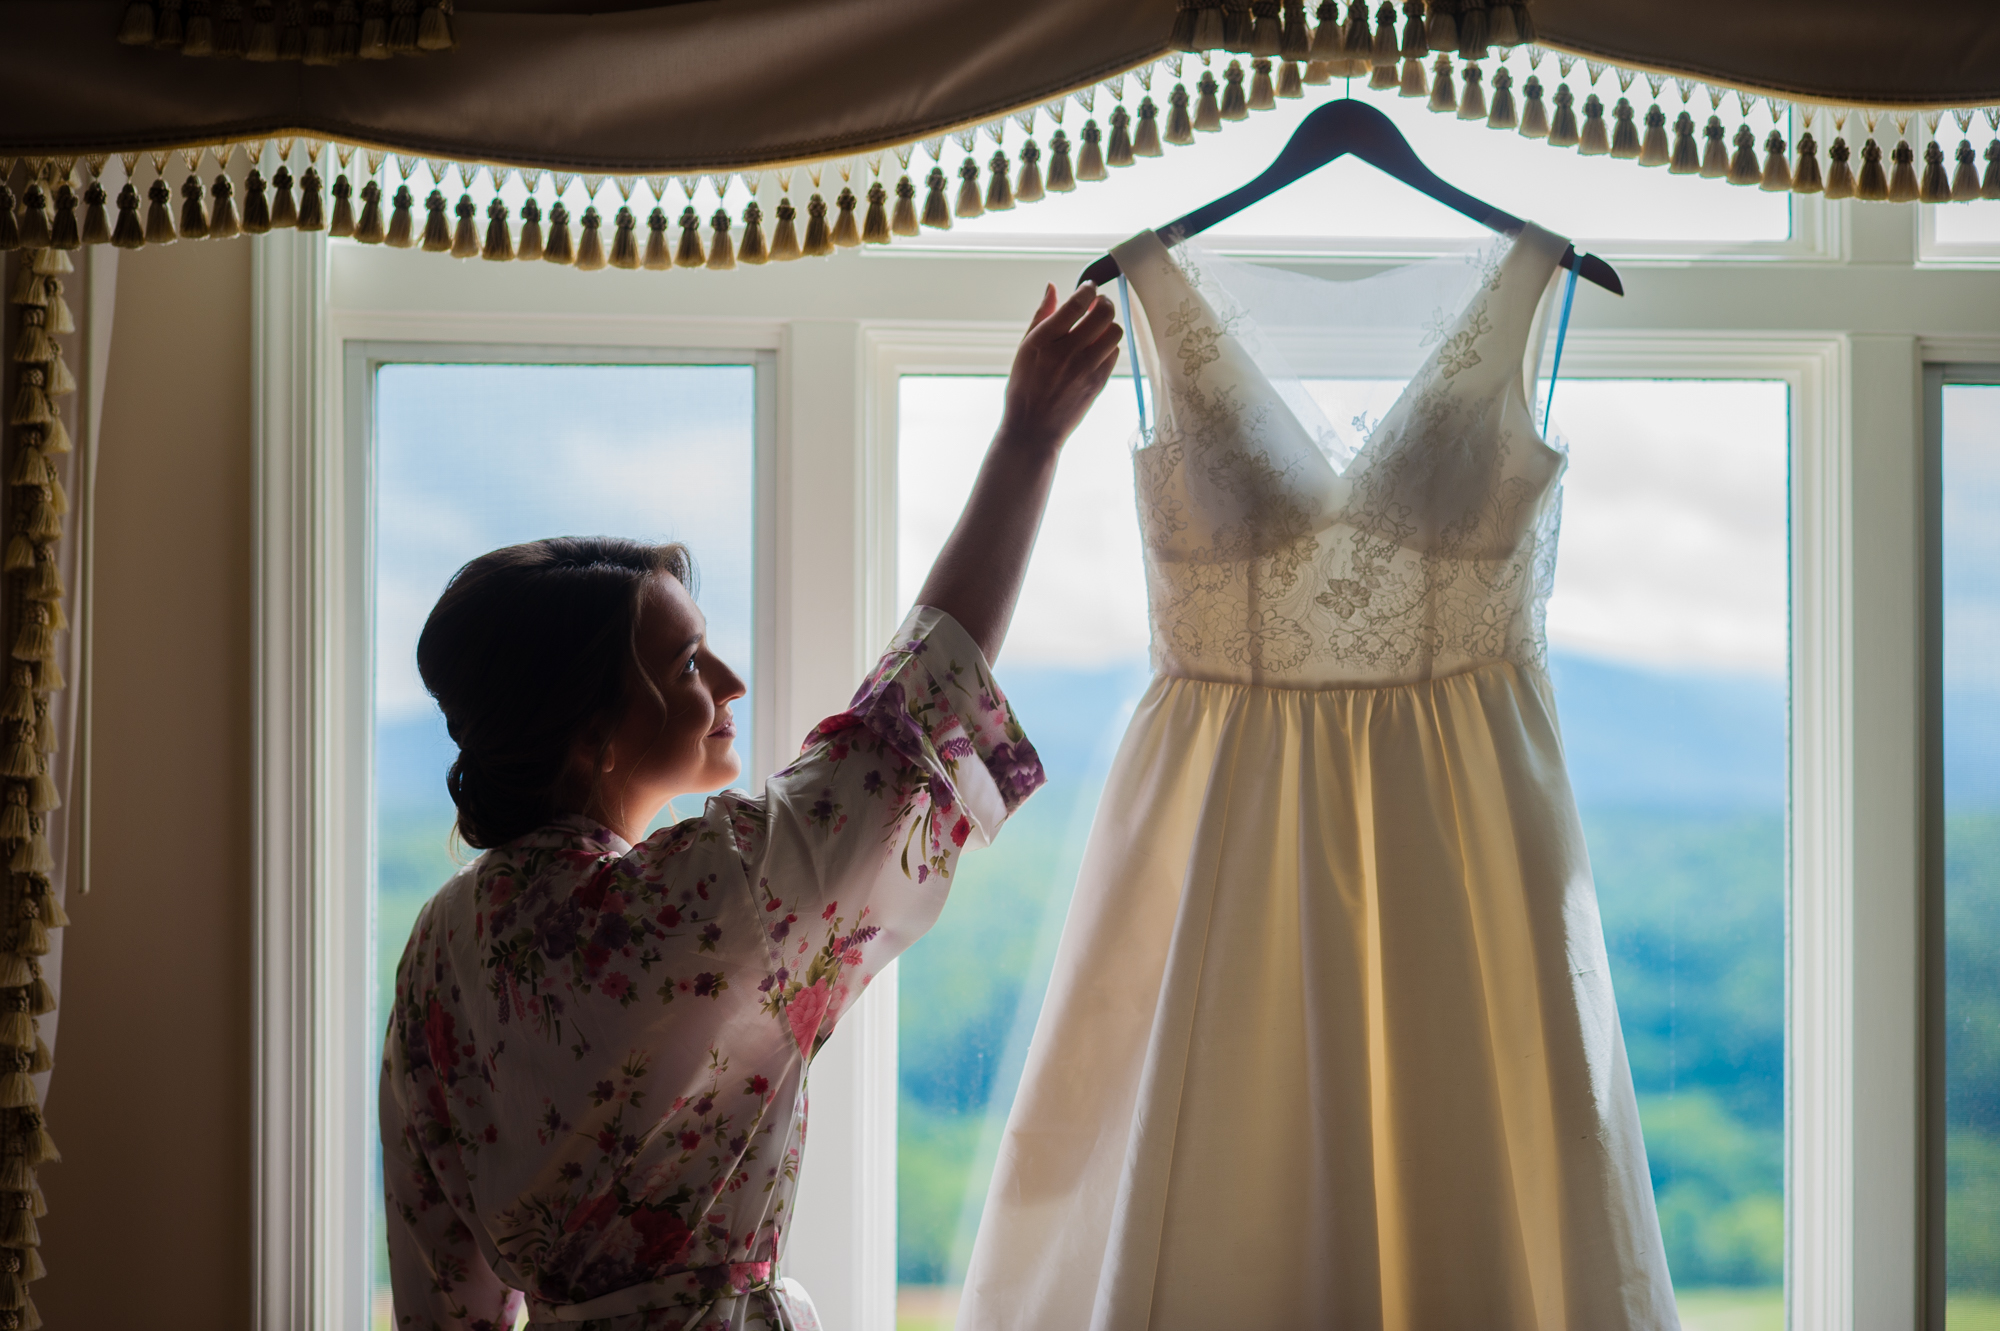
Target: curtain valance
[(856, 121)]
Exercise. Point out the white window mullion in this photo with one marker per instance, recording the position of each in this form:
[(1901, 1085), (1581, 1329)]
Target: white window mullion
[(842, 1244)]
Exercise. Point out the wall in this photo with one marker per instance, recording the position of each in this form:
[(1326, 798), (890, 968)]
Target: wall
[(149, 1214)]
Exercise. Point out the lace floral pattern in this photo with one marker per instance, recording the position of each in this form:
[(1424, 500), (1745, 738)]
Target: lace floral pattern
[(1432, 552)]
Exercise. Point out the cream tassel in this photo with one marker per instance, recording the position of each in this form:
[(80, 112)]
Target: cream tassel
[(159, 215), (969, 204), (256, 205), (817, 245), (402, 227), (875, 227), (1090, 157), (437, 229), (1965, 180), (311, 208), (1180, 129), (1534, 113), (1119, 152), (1146, 134), (753, 250), (1989, 185), (1263, 96), (369, 229), (1714, 156), (1903, 187), (904, 223), (465, 236), (530, 247), (1743, 168), (999, 195), (1444, 91), (624, 240), (127, 233), (1777, 171), (1872, 184), (658, 258), (721, 255), (1839, 175), (937, 212), (1472, 102), (1062, 176), (35, 229), (1654, 149), (1563, 131), (10, 228), (1235, 106), (1028, 186), (1805, 179), (558, 249), (590, 245), (846, 234), (342, 222), (64, 234), (785, 240), (1593, 142), (690, 253), (284, 208), (1207, 111), (1625, 131)]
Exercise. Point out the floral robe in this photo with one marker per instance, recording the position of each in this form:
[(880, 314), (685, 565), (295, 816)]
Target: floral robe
[(593, 1082)]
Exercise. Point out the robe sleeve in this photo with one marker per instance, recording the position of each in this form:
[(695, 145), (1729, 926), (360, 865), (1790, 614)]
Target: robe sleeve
[(849, 853), (441, 1277)]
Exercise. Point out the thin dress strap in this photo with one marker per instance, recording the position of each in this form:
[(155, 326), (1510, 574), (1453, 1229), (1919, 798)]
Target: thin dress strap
[(1562, 331)]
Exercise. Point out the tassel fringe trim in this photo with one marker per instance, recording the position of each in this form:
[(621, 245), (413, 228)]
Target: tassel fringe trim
[(1468, 59)]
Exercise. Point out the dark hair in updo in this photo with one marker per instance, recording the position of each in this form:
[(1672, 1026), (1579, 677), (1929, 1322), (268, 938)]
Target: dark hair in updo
[(526, 653)]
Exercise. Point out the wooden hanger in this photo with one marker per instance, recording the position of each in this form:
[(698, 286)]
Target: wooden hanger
[(1332, 131)]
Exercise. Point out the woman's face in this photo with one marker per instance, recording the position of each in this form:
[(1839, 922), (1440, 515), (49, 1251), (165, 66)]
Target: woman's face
[(654, 755)]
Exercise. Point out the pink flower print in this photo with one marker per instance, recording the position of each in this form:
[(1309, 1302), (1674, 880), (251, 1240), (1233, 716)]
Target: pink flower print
[(756, 1086), (615, 985), (670, 916), (831, 907), (662, 1234), (690, 1140), (851, 957), (595, 1213), (960, 830), (806, 1010), (440, 1110), (440, 1036)]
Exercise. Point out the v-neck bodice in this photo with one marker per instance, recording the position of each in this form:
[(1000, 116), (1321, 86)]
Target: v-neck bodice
[(1429, 553)]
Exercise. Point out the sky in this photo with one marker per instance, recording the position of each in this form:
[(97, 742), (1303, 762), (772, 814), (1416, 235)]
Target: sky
[(473, 457)]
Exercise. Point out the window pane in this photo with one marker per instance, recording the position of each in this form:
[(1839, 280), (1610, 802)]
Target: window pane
[(1074, 665), (1597, 199), (1971, 602), (1668, 645), (472, 457)]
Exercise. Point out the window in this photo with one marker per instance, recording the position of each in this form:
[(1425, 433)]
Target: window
[(1970, 603), (1719, 368), (470, 457), (1074, 665)]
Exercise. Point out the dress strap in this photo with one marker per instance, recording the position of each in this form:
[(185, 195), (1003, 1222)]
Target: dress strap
[(1132, 351), (1562, 331)]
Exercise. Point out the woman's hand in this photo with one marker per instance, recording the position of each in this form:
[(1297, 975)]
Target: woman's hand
[(1062, 365)]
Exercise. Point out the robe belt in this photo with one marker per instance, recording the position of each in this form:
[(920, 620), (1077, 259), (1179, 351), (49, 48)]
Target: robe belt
[(693, 1290)]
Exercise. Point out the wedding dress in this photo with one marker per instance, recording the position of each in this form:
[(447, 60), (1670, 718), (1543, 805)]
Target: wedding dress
[(1330, 1040)]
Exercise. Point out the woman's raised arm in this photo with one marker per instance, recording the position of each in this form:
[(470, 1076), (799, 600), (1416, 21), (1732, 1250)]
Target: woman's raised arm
[(1061, 366)]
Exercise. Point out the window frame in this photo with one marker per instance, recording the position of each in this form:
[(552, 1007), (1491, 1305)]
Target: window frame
[(839, 335)]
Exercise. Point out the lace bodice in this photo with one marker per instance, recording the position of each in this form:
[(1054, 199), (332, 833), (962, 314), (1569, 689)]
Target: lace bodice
[(1429, 553)]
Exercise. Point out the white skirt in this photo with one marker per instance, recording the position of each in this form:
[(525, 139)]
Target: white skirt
[(1330, 1040)]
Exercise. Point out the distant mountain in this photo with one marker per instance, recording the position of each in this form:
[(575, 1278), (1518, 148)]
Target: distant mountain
[(1681, 739), (1633, 736)]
